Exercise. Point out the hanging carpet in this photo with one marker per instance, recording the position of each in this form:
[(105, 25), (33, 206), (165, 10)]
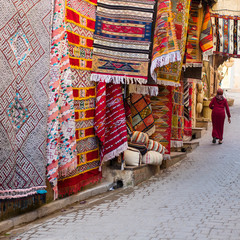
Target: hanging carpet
[(187, 110), (165, 46), (142, 118), (122, 41), (193, 51), (151, 88), (226, 35), (61, 141), (162, 113), (80, 24), (177, 117), (24, 65), (206, 37), (110, 120), (128, 118), (170, 74)]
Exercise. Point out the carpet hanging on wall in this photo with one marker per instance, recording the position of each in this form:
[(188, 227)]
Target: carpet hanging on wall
[(162, 113), (142, 118), (206, 37), (187, 110), (193, 51), (128, 114), (226, 35), (80, 24), (170, 74), (24, 65), (61, 140), (177, 129), (165, 46), (110, 120), (122, 41)]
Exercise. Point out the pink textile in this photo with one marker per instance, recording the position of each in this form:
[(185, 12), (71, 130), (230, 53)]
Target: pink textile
[(218, 116), (61, 141)]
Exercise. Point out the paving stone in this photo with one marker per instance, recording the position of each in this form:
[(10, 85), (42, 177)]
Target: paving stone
[(196, 199)]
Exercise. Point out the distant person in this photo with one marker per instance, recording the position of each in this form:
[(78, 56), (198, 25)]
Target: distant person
[(218, 106)]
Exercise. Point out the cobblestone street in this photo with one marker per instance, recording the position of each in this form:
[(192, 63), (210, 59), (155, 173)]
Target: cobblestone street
[(198, 198)]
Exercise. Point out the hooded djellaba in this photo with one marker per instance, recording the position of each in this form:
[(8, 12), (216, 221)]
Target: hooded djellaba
[(219, 105)]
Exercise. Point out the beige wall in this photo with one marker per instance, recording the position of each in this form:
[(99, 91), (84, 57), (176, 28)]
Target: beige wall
[(232, 80), (236, 74), (227, 4)]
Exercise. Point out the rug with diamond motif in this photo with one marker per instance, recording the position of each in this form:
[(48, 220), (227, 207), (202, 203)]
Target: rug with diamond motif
[(170, 74), (122, 41), (141, 111), (24, 66), (162, 113), (165, 46)]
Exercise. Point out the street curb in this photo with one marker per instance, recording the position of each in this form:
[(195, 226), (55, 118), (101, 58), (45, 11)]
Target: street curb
[(53, 207)]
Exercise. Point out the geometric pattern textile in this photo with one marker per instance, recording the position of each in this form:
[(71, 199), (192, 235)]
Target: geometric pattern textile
[(110, 120), (206, 37), (188, 112), (226, 35), (122, 41), (186, 98), (24, 66), (128, 118), (193, 52), (61, 141), (171, 72), (142, 118), (177, 117), (162, 113), (80, 24), (165, 46)]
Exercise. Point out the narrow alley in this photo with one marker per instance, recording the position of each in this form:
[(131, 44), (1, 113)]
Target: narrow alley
[(198, 198)]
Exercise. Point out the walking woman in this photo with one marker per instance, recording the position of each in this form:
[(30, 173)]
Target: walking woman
[(218, 106)]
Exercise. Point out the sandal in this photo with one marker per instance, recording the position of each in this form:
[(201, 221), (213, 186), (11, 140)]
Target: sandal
[(220, 142), (214, 140)]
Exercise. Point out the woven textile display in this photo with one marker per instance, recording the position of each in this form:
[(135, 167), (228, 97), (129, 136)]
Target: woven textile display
[(206, 37), (165, 46), (80, 24), (61, 141), (226, 35), (24, 65), (177, 117), (110, 120), (150, 89), (170, 73), (187, 110), (193, 52), (186, 98), (140, 137), (122, 41), (128, 118), (162, 113), (142, 118)]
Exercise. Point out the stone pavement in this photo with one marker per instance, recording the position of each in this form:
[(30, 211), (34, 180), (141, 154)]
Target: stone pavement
[(196, 199)]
